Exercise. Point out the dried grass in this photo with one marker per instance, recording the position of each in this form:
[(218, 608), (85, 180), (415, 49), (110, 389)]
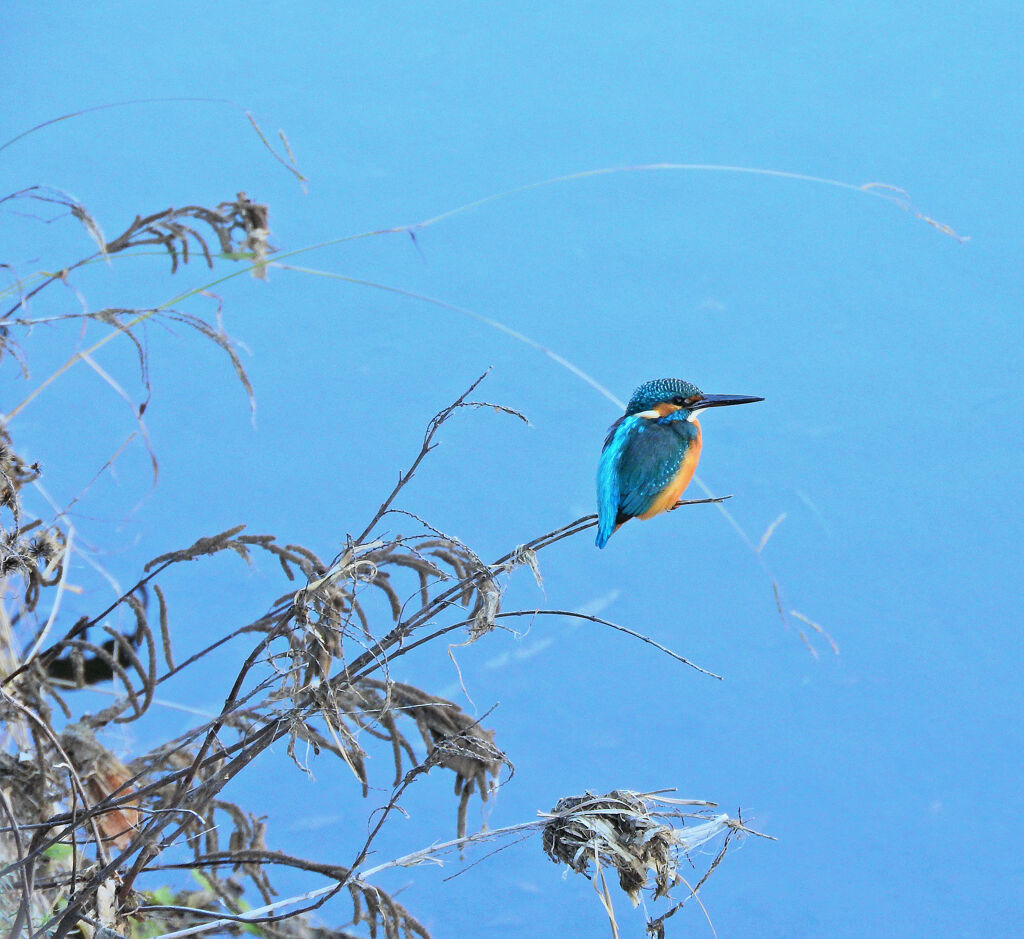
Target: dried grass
[(84, 836)]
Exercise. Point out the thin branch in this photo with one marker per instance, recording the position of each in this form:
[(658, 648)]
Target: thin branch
[(616, 626), (432, 427)]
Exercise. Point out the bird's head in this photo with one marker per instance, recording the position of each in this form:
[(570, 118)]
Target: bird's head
[(676, 399)]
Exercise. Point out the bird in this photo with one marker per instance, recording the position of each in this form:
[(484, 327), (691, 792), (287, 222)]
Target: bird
[(651, 452)]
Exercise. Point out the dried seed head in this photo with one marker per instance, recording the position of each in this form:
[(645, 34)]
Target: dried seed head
[(8, 495), (11, 561), (626, 831), (44, 547)]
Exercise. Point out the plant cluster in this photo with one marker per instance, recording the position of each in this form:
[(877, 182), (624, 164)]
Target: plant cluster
[(94, 844)]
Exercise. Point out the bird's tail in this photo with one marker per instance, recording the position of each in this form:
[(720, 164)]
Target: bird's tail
[(606, 527)]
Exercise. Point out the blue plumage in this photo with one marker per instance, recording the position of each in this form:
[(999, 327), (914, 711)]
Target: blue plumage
[(608, 477), (651, 452), (649, 461), (652, 393), (640, 458)]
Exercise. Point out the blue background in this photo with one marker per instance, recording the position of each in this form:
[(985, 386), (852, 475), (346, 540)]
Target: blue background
[(888, 352)]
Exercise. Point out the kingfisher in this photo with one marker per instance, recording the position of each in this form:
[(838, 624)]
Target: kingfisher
[(651, 452)]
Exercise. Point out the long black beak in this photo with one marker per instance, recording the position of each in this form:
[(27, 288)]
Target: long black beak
[(717, 401)]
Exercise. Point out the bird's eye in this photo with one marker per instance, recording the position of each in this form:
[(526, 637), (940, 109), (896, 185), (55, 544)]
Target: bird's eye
[(679, 400)]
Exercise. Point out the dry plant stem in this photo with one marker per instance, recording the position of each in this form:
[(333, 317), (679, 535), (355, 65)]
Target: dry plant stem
[(84, 624), (433, 853), (583, 375), (274, 730), (656, 927), (77, 786), (603, 622), (116, 104), (249, 748), (146, 838), (170, 228), (435, 422), (24, 908), (399, 790), (884, 191), (366, 663), (170, 823), (412, 859), (445, 598), (183, 779), (889, 193), (572, 614), (55, 606), (186, 782), (114, 803)]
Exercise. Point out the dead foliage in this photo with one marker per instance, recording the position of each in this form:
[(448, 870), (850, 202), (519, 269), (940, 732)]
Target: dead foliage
[(85, 836), (642, 837)]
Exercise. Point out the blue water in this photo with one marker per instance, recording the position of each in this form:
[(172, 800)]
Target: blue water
[(888, 351)]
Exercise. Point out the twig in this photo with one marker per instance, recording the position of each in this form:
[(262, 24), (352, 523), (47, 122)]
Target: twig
[(432, 427), (616, 626)]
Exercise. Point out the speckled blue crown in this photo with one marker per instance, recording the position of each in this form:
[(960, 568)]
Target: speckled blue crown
[(661, 389)]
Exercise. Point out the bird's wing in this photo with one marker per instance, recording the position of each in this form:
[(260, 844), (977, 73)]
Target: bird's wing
[(608, 477), (648, 461)]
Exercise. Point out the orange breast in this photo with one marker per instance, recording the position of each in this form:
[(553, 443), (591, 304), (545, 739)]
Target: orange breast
[(669, 496)]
